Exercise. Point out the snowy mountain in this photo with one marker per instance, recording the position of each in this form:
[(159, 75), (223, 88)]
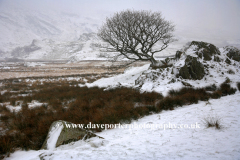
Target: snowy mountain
[(30, 34), (55, 33), (49, 34)]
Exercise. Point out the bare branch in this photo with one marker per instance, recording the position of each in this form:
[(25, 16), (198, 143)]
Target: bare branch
[(134, 34)]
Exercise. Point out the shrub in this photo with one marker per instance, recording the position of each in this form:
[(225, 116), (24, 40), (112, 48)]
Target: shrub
[(150, 97), (1, 98), (212, 122), (226, 89), (217, 94), (6, 144), (13, 101), (165, 104), (238, 85)]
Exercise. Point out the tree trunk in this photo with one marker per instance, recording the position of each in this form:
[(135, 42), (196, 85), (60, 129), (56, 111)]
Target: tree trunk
[(154, 63)]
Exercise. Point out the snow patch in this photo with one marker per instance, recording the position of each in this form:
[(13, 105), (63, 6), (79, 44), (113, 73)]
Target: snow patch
[(53, 135)]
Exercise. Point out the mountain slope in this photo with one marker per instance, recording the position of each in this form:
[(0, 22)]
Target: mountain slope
[(47, 31)]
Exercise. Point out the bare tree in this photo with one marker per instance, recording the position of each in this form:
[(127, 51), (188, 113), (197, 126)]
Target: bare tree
[(134, 34)]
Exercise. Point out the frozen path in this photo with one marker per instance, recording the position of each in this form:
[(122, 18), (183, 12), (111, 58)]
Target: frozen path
[(157, 143)]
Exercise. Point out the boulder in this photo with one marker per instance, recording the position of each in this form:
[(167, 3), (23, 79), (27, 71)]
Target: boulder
[(178, 55), (205, 50), (193, 69), (217, 59), (149, 75), (228, 61), (201, 49), (60, 133), (232, 53)]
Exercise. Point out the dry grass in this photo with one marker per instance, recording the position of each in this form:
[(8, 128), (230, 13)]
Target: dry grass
[(28, 128), (18, 70), (214, 122), (186, 96)]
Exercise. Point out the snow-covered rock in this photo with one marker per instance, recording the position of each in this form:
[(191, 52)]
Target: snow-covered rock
[(193, 69), (62, 132), (163, 79), (232, 52)]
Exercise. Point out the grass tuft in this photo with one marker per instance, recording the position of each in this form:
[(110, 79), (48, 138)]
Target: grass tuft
[(213, 122)]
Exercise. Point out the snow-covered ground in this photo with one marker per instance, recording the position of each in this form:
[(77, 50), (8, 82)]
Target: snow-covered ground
[(160, 80), (160, 143), (177, 134)]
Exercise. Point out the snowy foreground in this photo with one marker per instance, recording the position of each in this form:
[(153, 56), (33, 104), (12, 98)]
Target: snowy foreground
[(167, 135), (160, 143)]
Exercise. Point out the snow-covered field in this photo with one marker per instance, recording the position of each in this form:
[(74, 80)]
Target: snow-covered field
[(160, 143)]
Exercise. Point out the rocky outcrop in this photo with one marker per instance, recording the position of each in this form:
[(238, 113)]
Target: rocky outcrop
[(192, 69), (205, 50), (232, 53), (178, 55), (217, 59), (62, 132), (195, 61), (228, 61)]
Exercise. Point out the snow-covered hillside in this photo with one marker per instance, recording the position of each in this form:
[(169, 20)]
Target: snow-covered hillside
[(45, 34), (156, 142), (163, 80), (20, 25)]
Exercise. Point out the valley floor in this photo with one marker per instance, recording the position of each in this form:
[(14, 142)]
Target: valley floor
[(53, 69)]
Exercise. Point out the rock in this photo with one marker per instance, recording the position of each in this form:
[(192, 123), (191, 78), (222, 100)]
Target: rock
[(149, 75), (186, 84), (172, 81), (228, 61), (192, 69), (211, 88), (60, 134), (232, 53), (184, 72), (205, 50), (178, 55), (217, 59), (167, 62), (202, 50)]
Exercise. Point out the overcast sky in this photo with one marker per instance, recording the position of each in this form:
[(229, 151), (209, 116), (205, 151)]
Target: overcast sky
[(195, 18)]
